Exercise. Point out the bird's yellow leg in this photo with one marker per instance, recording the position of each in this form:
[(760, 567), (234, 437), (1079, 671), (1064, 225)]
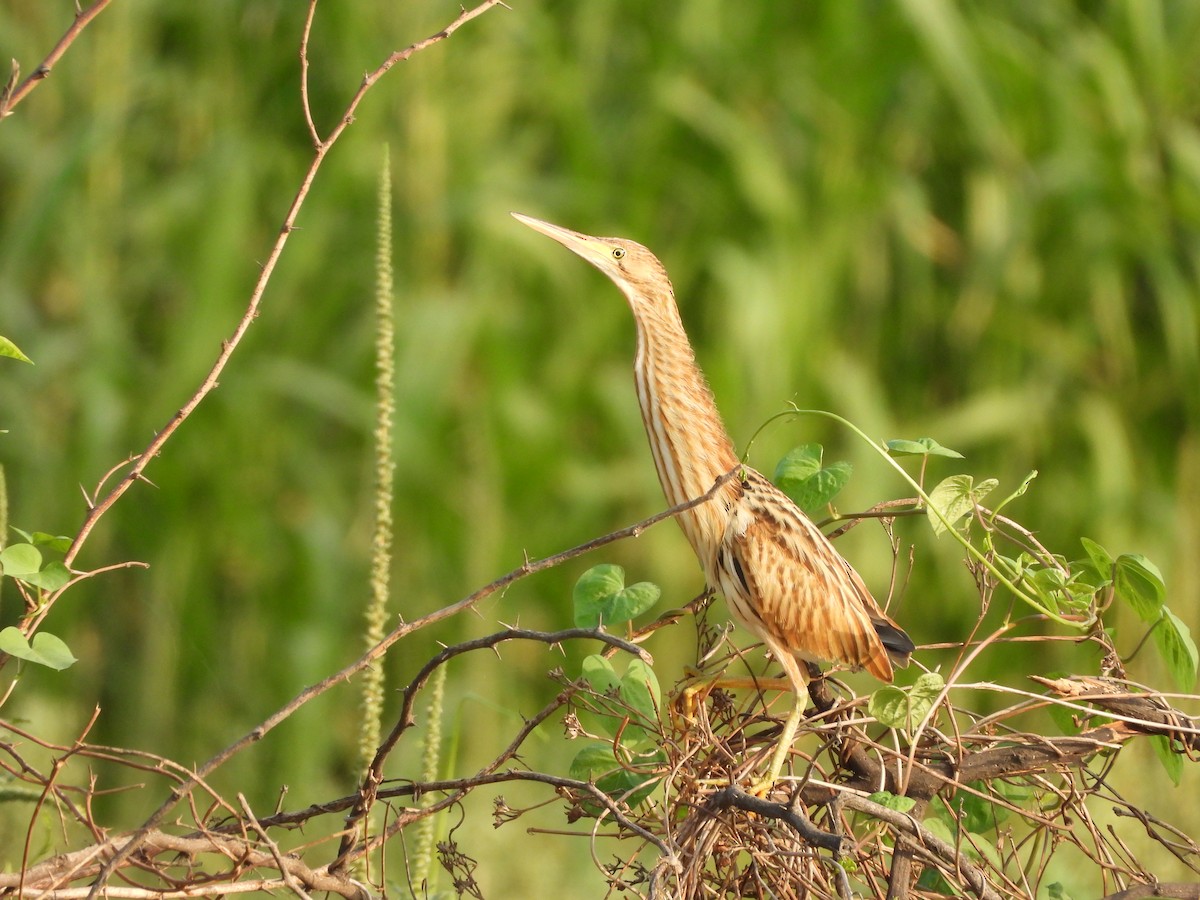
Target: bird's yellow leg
[(764, 787), (689, 698), (798, 679)]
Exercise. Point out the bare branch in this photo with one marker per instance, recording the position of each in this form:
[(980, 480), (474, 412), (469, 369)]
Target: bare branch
[(13, 94), (45, 879)]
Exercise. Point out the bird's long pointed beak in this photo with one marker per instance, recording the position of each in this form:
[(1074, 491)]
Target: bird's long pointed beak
[(592, 249)]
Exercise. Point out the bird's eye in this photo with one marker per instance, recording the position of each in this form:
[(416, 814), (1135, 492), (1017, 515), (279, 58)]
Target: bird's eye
[(618, 252)]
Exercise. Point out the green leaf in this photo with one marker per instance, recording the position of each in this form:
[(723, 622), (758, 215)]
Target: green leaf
[(57, 542), (954, 498), (629, 787), (20, 559), (628, 705), (1086, 580), (889, 706), (819, 491), (1016, 794), (920, 447), (609, 710), (1053, 587), (633, 601), (1101, 559), (1171, 761), (601, 598), (51, 578), (593, 760), (923, 693), (640, 690), (906, 708), (934, 882), (595, 763), (940, 823), (1177, 648), (1014, 568), (800, 464), (947, 823), (11, 350), (1139, 584), (976, 814), (893, 801), (802, 477), (1063, 716), (600, 674), (1056, 891), (46, 650)]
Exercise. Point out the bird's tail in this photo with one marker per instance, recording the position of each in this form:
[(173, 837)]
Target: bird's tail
[(896, 642)]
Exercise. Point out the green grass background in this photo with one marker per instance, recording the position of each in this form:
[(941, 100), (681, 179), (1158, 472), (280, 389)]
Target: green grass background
[(978, 222)]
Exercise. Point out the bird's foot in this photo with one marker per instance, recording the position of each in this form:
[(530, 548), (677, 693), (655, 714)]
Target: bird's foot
[(690, 698)]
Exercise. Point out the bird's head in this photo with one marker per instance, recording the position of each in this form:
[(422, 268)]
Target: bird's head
[(633, 268)]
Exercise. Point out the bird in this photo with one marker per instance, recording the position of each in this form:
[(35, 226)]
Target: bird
[(781, 577)]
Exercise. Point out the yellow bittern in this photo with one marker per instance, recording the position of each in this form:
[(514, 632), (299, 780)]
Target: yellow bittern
[(780, 576)]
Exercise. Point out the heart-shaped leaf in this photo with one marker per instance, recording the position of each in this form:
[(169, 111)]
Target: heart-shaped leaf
[(601, 598), (905, 708), (920, 447), (812, 485), (46, 650), (799, 464), (600, 674), (20, 559), (51, 578), (593, 760), (1100, 557), (639, 689), (1099, 560), (595, 763), (954, 498)]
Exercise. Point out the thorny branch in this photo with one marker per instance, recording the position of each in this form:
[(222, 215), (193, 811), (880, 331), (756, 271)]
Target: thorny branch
[(406, 719), (13, 93)]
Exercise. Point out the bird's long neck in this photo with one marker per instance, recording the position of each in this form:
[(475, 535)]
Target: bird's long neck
[(690, 445)]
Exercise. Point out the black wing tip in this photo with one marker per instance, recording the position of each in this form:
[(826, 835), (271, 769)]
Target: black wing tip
[(896, 642)]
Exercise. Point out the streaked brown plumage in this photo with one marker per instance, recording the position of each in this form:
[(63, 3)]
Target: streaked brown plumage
[(780, 576)]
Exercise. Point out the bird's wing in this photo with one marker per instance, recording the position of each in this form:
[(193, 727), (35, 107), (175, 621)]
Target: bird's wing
[(804, 595)]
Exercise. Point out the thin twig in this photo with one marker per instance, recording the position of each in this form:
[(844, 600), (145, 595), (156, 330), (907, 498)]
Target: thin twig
[(9, 98)]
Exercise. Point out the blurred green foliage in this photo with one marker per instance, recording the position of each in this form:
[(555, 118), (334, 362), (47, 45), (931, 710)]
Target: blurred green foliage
[(978, 222)]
